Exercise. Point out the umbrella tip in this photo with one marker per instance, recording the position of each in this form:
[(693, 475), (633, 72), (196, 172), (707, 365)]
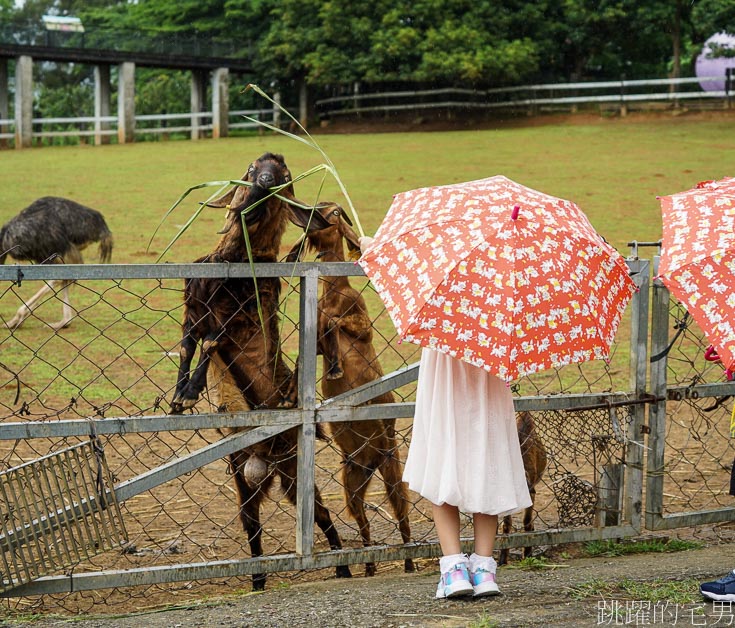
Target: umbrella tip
[(514, 215)]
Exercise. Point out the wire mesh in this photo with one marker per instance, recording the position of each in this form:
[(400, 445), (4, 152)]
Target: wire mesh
[(698, 451), (119, 358)]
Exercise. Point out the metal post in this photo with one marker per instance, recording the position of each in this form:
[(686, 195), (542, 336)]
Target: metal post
[(729, 74), (307, 401), (657, 411), (633, 494)]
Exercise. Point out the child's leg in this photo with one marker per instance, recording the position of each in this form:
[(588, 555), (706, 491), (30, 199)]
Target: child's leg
[(482, 563), (454, 565), (446, 520), (486, 527)]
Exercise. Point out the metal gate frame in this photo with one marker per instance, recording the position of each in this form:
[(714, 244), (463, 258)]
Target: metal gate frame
[(267, 423), (655, 518)]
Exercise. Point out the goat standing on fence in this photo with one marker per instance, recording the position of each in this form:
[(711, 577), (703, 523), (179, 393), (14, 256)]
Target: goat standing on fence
[(344, 337), (53, 230), (223, 314), (534, 457)]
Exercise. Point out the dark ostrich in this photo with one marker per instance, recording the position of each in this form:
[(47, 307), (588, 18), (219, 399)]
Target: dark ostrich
[(53, 230)]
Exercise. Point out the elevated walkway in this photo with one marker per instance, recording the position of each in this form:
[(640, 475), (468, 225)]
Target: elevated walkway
[(208, 59)]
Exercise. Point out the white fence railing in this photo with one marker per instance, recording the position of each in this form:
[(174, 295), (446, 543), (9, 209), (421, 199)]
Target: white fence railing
[(539, 96), (623, 93), (145, 124)]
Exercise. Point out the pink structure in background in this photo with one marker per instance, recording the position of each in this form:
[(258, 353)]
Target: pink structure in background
[(708, 65)]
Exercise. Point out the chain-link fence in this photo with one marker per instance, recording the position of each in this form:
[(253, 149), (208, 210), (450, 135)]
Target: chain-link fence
[(689, 468), (110, 377)]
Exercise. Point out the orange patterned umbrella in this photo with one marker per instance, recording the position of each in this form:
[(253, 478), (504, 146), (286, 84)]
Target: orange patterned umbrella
[(698, 259), (499, 275)]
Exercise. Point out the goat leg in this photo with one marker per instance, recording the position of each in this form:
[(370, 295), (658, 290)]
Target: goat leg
[(331, 352), (528, 521), (507, 527), (186, 355), (355, 479), (188, 392), (395, 489), (357, 325), (286, 469), (249, 500)]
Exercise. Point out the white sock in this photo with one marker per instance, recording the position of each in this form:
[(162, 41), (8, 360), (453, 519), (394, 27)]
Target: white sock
[(487, 562), (447, 562)]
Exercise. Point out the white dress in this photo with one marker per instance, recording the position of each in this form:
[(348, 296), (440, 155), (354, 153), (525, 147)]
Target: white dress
[(464, 447)]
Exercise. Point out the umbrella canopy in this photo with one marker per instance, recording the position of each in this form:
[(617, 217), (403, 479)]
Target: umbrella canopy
[(698, 259), (499, 275)]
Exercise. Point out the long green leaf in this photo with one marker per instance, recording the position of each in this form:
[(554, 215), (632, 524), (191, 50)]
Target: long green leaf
[(195, 215), (313, 143)]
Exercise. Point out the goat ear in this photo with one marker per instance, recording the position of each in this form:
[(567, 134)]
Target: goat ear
[(224, 200), (352, 239), (347, 218), (308, 219)]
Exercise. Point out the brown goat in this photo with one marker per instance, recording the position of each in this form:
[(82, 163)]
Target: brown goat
[(223, 315), (344, 339), (534, 462)]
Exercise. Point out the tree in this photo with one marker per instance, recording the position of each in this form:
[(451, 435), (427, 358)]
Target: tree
[(712, 16)]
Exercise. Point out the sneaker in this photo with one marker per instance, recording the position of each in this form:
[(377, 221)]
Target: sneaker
[(482, 576), (455, 581), (722, 590)]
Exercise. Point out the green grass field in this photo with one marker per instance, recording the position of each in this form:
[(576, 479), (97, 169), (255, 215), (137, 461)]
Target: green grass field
[(612, 168)]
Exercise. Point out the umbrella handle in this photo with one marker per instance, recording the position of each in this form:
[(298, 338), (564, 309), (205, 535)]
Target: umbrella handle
[(710, 354)]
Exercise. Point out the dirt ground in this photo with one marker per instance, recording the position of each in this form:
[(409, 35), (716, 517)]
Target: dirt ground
[(543, 597)]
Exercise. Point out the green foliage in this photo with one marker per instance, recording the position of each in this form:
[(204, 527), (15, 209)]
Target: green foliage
[(611, 547), (713, 16), (673, 591), (162, 92), (483, 621), (6, 8), (331, 45)]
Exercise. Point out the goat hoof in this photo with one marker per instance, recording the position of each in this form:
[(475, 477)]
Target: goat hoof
[(287, 402), (181, 404), (258, 582), (408, 566), (343, 571)]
